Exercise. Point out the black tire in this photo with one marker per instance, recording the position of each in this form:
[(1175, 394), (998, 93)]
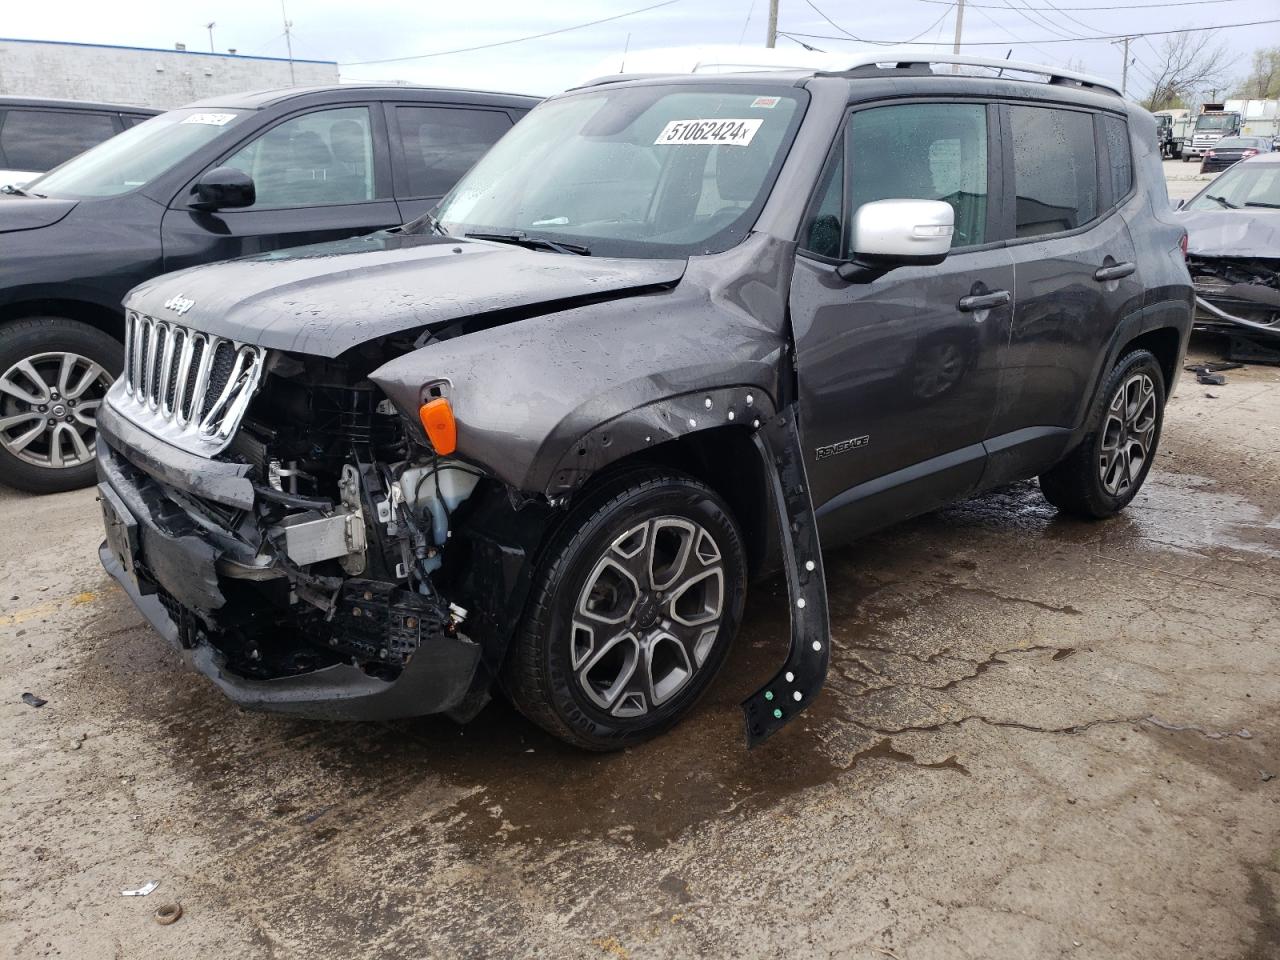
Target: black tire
[(1083, 483), (540, 674), (34, 337)]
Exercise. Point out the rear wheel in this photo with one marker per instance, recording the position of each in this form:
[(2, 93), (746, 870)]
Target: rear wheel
[(54, 373), (1100, 476), (633, 609)]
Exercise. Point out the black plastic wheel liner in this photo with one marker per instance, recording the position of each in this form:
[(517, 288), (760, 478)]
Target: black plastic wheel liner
[(796, 685)]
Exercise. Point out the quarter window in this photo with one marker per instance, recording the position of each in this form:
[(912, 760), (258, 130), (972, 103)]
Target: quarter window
[(39, 140), (824, 226), (442, 143), (1117, 132), (324, 157), (1055, 169), (923, 151)]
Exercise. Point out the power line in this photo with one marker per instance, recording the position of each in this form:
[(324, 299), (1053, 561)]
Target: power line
[(503, 43), (852, 36), (1148, 6), (1001, 43), (982, 13)]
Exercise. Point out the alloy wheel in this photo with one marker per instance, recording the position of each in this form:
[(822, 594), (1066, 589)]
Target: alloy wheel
[(1128, 434), (647, 616), (48, 408)]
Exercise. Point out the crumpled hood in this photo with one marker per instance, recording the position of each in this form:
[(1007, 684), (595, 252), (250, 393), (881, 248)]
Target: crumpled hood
[(326, 298), (30, 213), (1233, 233)]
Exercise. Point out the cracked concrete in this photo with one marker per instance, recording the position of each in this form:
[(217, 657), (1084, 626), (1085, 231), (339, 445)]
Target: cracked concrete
[(1041, 738)]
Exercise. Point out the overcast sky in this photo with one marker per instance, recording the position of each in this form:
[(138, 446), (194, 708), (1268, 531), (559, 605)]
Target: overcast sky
[(349, 31)]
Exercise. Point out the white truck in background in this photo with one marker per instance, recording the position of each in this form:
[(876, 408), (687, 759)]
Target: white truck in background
[(1232, 118), (1172, 128)]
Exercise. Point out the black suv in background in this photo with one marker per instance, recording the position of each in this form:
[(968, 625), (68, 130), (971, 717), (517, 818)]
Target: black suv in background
[(663, 336), (37, 134), (218, 179)]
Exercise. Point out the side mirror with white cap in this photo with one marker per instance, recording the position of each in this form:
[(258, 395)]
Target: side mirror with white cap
[(897, 233)]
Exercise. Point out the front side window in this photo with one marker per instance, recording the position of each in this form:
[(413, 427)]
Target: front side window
[(644, 171), (1119, 156), (41, 139), (324, 157), (923, 151), (442, 143), (1253, 185), (139, 155), (1055, 169)]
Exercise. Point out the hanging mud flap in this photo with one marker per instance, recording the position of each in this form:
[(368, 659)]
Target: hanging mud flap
[(780, 700)]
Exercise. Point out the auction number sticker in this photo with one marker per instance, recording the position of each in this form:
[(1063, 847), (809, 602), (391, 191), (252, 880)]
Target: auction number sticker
[(211, 119), (733, 133)]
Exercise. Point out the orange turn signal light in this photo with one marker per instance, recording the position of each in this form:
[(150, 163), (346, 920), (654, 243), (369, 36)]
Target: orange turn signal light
[(442, 429)]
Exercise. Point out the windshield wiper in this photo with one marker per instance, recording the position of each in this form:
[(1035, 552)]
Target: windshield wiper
[(1261, 203), (1222, 200), (426, 220), (15, 190), (532, 243)]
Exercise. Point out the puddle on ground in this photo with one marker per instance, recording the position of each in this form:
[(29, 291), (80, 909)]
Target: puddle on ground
[(501, 780)]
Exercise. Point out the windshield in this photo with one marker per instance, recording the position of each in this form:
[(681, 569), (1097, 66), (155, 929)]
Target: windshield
[(653, 171), (1226, 143), (136, 157), (1220, 121), (1251, 184)]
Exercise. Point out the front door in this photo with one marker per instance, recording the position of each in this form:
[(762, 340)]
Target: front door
[(898, 376), (321, 175)]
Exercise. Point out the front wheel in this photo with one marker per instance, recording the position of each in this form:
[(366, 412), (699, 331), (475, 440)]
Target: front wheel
[(1100, 476), (633, 609), (54, 373)]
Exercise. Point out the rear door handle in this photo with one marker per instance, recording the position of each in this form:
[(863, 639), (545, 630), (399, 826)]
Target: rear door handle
[(1103, 274), (984, 301)]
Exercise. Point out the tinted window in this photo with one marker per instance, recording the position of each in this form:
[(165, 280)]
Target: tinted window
[(1117, 132), (442, 143), (923, 151), (318, 158), (133, 119), (824, 226), (41, 139), (1054, 169)]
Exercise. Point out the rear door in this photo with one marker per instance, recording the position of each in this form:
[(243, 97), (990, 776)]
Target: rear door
[(433, 145), (898, 376), (1076, 275), (322, 174)]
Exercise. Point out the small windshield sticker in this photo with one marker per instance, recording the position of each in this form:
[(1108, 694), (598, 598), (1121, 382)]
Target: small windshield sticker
[(734, 133), (765, 103), (211, 119)]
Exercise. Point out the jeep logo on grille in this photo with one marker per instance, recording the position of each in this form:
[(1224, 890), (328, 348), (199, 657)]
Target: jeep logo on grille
[(179, 304)]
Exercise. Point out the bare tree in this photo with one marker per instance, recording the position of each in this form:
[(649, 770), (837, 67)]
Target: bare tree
[(1188, 62), (1263, 81)]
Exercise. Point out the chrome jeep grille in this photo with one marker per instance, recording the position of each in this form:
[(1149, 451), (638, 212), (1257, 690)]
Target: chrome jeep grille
[(188, 388)]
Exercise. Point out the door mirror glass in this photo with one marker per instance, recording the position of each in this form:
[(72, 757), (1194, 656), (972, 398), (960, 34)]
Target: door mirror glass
[(902, 232), (223, 188)]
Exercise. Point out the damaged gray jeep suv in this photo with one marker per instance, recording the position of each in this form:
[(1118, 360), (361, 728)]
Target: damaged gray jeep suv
[(664, 336)]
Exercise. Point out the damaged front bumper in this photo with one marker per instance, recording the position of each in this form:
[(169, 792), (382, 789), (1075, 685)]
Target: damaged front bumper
[(381, 651), (1236, 295)]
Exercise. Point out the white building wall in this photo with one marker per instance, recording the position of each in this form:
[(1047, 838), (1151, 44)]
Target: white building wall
[(150, 78)]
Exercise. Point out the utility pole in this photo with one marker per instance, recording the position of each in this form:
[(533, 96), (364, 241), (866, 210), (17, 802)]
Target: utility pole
[(288, 40), (955, 46), (1124, 69), (772, 39), (209, 26)]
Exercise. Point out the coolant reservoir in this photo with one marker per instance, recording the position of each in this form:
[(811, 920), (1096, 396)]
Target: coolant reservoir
[(437, 493)]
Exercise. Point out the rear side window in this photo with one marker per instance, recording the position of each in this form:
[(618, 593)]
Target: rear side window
[(442, 143), (39, 140), (1055, 169), (1121, 162), (923, 151)]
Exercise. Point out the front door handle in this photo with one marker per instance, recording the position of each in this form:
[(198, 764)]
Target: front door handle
[(984, 301), (1114, 272)]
